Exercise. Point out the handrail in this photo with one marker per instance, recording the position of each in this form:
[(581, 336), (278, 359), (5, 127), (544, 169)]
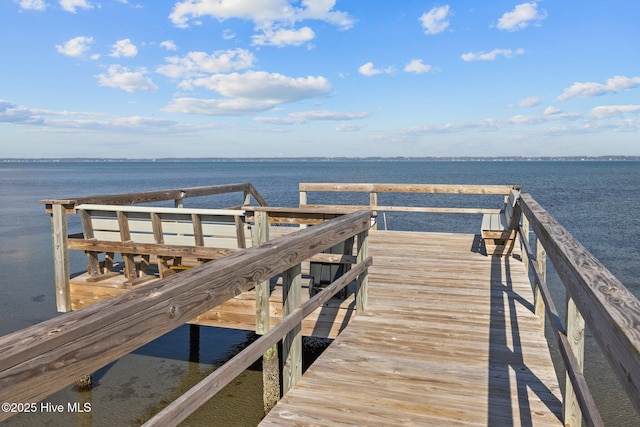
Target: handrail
[(46, 357), (611, 312), (286, 215), (156, 196), (374, 189), (409, 188)]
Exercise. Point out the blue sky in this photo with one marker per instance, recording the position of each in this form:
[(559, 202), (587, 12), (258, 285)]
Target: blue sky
[(252, 78)]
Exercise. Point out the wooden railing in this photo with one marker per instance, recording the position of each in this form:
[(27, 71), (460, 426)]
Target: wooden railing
[(46, 357), (59, 208), (375, 189), (595, 299)]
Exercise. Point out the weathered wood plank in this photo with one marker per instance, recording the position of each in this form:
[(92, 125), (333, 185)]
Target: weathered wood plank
[(386, 208), (153, 196), (408, 188), (150, 248), (60, 257), (292, 342)]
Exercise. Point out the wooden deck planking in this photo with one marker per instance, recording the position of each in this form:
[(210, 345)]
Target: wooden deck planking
[(448, 338)]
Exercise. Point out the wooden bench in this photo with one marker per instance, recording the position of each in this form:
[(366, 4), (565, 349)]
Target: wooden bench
[(498, 230), (171, 235)]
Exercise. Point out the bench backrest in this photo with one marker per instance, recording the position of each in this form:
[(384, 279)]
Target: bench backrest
[(216, 228), (510, 207)]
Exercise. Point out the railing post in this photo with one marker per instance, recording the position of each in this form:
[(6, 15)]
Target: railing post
[(247, 198), (60, 256), (270, 363), (292, 342), (541, 261), (303, 201), (575, 336), (525, 236), (362, 292), (179, 202), (373, 201)]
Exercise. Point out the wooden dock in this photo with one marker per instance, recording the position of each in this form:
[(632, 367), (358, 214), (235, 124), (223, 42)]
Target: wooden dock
[(449, 338), (434, 330)]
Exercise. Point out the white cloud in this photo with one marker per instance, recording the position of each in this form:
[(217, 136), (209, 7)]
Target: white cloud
[(491, 56), (368, 70), (416, 66), (120, 77), (591, 89), (18, 114), (521, 16), (169, 45), (87, 121), (490, 124), (75, 47), (349, 127), (249, 92), (264, 14), (531, 101), (551, 110), (435, 21), (605, 111), (306, 116), (32, 4), (219, 107), (265, 86), (197, 64), (72, 5), (283, 37), (123, 48)]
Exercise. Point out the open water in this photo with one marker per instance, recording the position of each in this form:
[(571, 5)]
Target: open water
[(598, 202)]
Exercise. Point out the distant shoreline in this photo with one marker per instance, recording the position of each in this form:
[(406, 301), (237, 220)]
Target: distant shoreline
[(330, 159)]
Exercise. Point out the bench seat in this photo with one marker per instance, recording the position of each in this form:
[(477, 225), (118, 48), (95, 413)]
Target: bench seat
[(143, 231), (498, 230)]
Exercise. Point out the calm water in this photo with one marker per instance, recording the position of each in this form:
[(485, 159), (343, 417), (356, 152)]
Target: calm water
[(596, 201)]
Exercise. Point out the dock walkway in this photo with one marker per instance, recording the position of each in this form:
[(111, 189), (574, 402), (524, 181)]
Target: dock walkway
[(449, 338)]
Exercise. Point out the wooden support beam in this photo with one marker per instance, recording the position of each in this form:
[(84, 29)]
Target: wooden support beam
[(541, 261), (125, 235), (242, 243), (270, 361), (303, 202), (292, 342), (362, 291), (60, 257), (93, 267), (373, 201), (524, 234), (178, 202), (575, 339)]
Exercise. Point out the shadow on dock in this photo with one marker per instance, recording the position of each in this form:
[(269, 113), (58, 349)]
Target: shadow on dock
[(507, 367)]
